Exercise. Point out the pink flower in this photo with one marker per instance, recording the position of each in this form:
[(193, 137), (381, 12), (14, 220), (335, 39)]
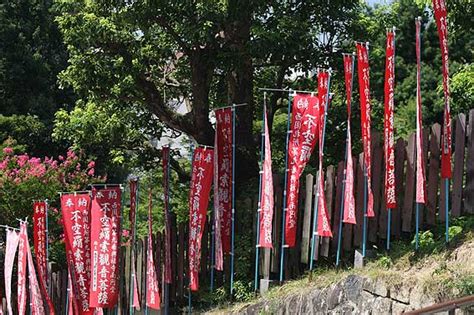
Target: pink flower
[(91, 172), (61, 158), (125, 233), (78, 167), (91, 164), (22, 159), (7, 150), (71, 154), (3, 164)]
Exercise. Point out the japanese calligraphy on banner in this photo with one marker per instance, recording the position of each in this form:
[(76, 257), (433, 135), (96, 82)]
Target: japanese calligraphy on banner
[(36, 301), (420, 165), (364, 91), (303, 137), (153, 299), (441, 15), (201, 180), (223, 184), (349, 200), (266, 194), (389, 141), (105, 246), (21, 270), (323, 228), (39, 243), (166, 161), (12, 244), (348, 60), (133, 209), (75, 209)]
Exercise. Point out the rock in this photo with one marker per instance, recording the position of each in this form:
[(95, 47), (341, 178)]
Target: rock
[(401, 294), (358, 259), (380, 288), (398, 308), (382, 305), (353, 287)]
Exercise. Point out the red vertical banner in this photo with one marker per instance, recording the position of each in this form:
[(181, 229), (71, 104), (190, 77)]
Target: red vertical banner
[(166, 161), (21, 270), (133, 215), (266, 194), (39, 243), (389, 106), (349, 200), (303, 138), (36, 300), (153, 299), (420, 166), (105, 246), (324, 226), (223, 184), (364, 91), (75, 208), (441, 16), (201, 180)]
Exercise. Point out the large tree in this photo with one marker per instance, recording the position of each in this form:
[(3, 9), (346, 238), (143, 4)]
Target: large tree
[(140, 55)]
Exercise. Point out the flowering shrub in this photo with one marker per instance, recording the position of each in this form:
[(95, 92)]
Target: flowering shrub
[(24, 179)]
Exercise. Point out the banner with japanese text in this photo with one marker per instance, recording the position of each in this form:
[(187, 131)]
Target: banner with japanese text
[(303, 138), (133, 184), (75, 208), (105, 246), (223, 184), (349, 200), (389, 106), (266, 194), (40, 245), (36, 300), (13, 238), (324, 226), (166, 170), (441, 17), (153, 299), (420, 165), (21, 270), (365, 109), (201, 181)]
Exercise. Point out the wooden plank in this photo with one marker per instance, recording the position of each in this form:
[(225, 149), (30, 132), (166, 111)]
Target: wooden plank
[(294, 253), (469, 189), (174, 256), (139, 270), (458, 171), (317, 240), (306, 231), (347, 228), (426, 136), (377, 179), (359, 199), (433, 168), (400, 157), (277, 216), (181, 255), (382, 226), (329, 194), (337, 206), (409, 196), (126, 304)]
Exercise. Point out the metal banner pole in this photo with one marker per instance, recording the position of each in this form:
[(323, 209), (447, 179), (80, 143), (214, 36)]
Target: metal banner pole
[(282, 248)]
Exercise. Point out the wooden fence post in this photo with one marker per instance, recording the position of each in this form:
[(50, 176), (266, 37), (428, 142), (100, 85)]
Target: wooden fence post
[(400, 156), (433, 174), (277, 213), (329, 191), (469, 190), (409, 197), (337, 206), (377, 180), (458, 171), (306, 231)]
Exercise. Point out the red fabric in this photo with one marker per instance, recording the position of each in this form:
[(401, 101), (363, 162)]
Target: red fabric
[(105, 246), (223, 187), (420, 165), (39, 243), (303, 137), (153, 299), (389, 142), (349, 200), (201, 180), (324, 226), (266, 194), (21, 270), (133, 209), (75, 209), (36, 300), (441, 14), (165, 162), (364, 91), (72, 306)]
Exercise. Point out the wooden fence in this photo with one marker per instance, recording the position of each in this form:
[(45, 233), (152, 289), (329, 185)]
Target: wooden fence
[(297, 258)]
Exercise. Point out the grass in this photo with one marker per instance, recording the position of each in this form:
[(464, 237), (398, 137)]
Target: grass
[(435, 268)]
